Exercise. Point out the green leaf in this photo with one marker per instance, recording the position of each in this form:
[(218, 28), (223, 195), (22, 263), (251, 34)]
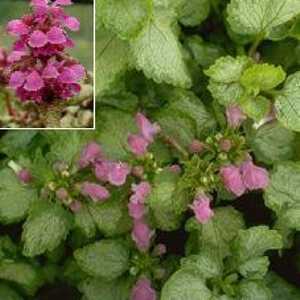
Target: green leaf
[(158, 53), (283, 191), (111, 217), (281, 289), (194, 12), (46, 227), (165, 201), (204, 53), (255, 17), (255, 241), (15, 198), (273, 143), (95, 289), (8, 293), (107, 259), (112, 60), (287, 103), (113, 135), (125, 18), (183, 285), (225, 75), (256, 108), (255, 268), (254, 290), (219, 231), (8, 250), (262, 77), (206, 264), (84, 222), (22, 274)]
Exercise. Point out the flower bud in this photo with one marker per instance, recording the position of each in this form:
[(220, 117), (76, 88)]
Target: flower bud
[(196, 147), (75, 206), (62, 194), (225, 145), (138, 171), (25, 176)]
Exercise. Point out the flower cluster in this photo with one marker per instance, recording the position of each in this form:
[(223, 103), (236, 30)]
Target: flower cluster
[(140, 142), (38, 68), (247, 176), (141, 232)]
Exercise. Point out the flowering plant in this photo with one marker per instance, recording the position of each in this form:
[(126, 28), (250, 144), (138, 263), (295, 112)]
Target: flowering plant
[(38, 69), (189, 187)]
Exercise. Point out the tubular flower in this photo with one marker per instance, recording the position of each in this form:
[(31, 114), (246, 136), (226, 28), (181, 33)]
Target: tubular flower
[(95, 191), (142, 290), (90, 153), (235, 116), (142, 235), (201, 208), (38, 68)]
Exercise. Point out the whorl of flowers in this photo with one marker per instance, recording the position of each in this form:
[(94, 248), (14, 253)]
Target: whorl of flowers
[(38, 68)]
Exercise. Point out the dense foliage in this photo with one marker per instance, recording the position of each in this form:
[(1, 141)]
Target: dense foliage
[(189, 187)]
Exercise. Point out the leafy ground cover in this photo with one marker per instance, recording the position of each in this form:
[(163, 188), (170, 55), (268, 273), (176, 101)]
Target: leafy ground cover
[(189, 186)]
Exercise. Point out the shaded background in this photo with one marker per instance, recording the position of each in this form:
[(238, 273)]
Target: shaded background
[(83, 10)]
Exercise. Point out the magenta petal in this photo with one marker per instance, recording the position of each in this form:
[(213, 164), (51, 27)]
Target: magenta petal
[(137, 144), (15, 56), (232, 179), (102, 169), (142, 290), (79, 71), (147, 129), (38, 39), (50, 72), (142, 235), (56, 36), (16, 80), (39, 2), (201, 208), (141, 191), (72, 23), (254, 177), (63, 2), (96, 191), (68, 76), (25, 176), (34, 82), (118, 173), (136, 210), (17, 27), (90, 153)]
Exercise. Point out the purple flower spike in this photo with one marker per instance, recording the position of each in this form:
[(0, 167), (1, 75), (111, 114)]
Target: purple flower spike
[(25, 176), (17, 79), (118, 173), (147, 129), (17, 28), (138, 144), (38, 39), (95, 191), (235, 116), (232, 179), (201, 208), (90, 153), (34, 82), (254, 177), (142, 290)]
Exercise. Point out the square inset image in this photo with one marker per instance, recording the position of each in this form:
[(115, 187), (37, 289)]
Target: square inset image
[(46, 64)]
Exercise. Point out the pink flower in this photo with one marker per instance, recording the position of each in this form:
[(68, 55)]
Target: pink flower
[(24, 176), (56, 36), (141, 191), (118, 173), (176, 169), (39, 3), (16, 80), (136, 210), (95, 191), (254, 177), (146, 128), (232, 179), (63, 2), (34, 82), (50, 72), (142, 235), (17, 27), (90, 153), (196, 147), (201, 208), (102, 168), (138, 144), (143, 290), (72, 23), (15, 56), (38, 39), (235, 116)]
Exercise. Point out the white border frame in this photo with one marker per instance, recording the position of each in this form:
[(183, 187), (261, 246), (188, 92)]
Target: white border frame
[(94, 87)]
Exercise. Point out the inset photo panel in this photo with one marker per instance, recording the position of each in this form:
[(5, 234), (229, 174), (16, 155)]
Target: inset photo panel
[(46, 64)]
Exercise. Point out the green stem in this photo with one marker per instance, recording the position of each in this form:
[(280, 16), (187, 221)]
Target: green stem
[(255, 45)]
